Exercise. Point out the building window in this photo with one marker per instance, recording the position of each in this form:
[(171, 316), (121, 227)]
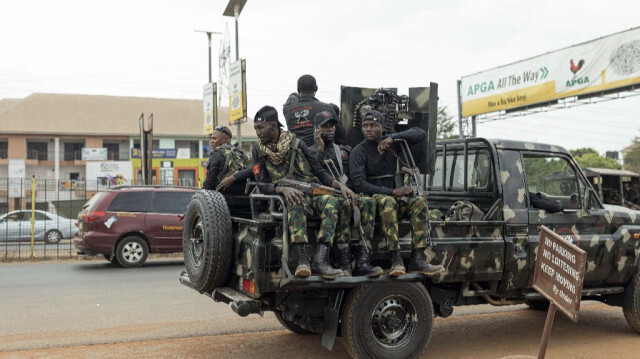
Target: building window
[(73, 151), (113, 151), (3, 149), (37, 151), (74, 176)]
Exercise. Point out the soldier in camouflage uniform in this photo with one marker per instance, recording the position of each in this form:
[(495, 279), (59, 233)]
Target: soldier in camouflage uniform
[(373, 166), (335, 158), (279, 154), (226, 162)]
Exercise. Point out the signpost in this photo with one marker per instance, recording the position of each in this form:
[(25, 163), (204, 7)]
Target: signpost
[(558, 276), (237, 93), (210, 107)]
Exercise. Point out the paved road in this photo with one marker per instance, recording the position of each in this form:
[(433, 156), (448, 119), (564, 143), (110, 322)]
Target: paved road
[(58, 309)]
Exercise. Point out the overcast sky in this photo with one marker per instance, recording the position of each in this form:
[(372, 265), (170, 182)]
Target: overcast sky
[(150, 49)]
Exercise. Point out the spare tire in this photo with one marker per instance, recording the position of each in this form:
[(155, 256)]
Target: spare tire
[(207, 240)]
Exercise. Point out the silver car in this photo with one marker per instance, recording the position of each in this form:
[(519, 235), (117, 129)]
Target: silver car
[(51, 228)]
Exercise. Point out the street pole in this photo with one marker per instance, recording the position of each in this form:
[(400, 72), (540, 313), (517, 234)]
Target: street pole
[(209, 41), (236, 13)]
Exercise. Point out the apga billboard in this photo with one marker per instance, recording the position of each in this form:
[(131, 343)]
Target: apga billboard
[(594, 66)]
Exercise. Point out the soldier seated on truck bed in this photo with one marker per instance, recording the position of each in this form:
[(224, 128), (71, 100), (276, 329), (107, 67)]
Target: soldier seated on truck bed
[(373, 166), (335, 159), (227, 163), (279, 154)]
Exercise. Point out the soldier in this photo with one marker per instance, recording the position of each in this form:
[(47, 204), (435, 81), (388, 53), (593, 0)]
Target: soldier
[(279, 154), (225, 161), (300, 109), (335, 158), (373, 166)]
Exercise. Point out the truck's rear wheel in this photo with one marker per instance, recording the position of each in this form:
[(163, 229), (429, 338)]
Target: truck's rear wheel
[(632, 310), (207, 241), (291, 325), (387, 321)]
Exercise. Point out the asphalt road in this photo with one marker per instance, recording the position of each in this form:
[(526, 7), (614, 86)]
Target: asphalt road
[(84, 309)]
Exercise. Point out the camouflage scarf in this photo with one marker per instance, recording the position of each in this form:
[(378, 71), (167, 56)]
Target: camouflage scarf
[(277, 152)]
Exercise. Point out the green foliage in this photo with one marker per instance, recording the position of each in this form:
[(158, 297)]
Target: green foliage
[(446, 125), (578, 152), (597, 161), (632, 158)]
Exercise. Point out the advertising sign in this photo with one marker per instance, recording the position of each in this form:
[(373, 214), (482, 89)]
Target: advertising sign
[(94, 154), (16, 178), (114, 173), (559, 272), (210, 106), (237, 92), (156, 153), (591, 67)]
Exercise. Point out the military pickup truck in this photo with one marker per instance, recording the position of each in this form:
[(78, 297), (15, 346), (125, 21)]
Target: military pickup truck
[(242, 257)]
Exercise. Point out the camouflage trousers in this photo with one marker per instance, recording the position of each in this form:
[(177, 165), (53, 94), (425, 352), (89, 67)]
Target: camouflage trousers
[(367, 207), (329, 209), (390, 210)]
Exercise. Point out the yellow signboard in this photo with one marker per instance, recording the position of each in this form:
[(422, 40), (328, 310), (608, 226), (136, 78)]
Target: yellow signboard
[(210, 107), (607, 63), (237, 92)]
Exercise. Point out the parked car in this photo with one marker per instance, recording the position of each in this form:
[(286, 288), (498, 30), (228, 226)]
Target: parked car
[(618, 187), (125, 224), (51, 228)]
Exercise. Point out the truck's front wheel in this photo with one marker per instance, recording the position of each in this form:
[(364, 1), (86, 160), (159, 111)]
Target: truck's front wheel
[(631, 310), (387, 321), (206, 240)]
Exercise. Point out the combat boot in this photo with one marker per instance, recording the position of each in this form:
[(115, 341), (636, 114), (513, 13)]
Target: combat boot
[(363, 266), (345, 261), (397, 266), (419, 263), (303, 269), (321, 264)]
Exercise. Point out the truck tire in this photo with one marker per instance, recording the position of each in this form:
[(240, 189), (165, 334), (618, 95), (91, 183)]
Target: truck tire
[(387, 321), (632, 310), (291, 326), (207, 240)]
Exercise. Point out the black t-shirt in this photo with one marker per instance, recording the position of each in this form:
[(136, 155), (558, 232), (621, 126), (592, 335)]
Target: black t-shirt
[(299, 115)]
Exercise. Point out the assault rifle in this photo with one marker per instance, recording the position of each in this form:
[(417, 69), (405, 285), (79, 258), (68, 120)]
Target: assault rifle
[(408, 166)]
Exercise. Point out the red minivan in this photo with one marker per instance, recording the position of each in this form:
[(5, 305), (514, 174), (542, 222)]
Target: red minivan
[(125, 224)]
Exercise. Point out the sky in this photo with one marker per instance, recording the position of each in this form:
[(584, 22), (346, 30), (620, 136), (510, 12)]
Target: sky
[(150, 49)]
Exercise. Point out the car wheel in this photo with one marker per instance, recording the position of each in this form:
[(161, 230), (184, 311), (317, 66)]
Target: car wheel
[(537, 304), (53, 236), (132, 252), (207, 241), (387, 321), (291, 326), (631, 309)]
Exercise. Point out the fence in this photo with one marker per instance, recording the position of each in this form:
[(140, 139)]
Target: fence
[(56, 204)]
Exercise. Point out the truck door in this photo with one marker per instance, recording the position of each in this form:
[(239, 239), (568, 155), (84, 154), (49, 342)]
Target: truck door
[(554, 180)]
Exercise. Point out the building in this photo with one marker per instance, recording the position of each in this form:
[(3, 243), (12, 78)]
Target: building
[(44, 135)]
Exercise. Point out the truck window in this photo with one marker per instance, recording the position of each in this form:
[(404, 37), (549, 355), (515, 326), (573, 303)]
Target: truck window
[(552, 176), (478, 171)]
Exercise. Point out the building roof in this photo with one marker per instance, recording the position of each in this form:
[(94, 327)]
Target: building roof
[(64, 114)]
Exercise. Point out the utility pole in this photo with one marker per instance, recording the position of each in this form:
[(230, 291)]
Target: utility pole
[(234, 7), (209, 40)]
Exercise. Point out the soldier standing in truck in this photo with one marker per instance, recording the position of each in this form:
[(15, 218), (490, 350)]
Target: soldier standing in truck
[(373, 166), (279, 154), (335, 158)]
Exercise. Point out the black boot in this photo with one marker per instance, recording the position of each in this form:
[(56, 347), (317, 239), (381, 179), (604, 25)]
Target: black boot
[(345, 261), (363, 266), (419, 263), (321, 264), (397, 266), (303, 269)]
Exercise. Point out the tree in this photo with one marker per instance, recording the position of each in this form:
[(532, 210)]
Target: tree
[(632, 158), (588, 157), (578, 152), (446, 125)]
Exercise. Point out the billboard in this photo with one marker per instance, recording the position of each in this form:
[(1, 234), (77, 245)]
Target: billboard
[(603, 64), (210, 107), (114, 173), (237, 92), (94, 154)]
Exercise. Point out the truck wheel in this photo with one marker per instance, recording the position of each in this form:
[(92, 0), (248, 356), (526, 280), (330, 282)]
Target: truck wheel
[(293, 327), (387, 321), (132, 251), (206, 240), (537, 304), (632, 310)]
